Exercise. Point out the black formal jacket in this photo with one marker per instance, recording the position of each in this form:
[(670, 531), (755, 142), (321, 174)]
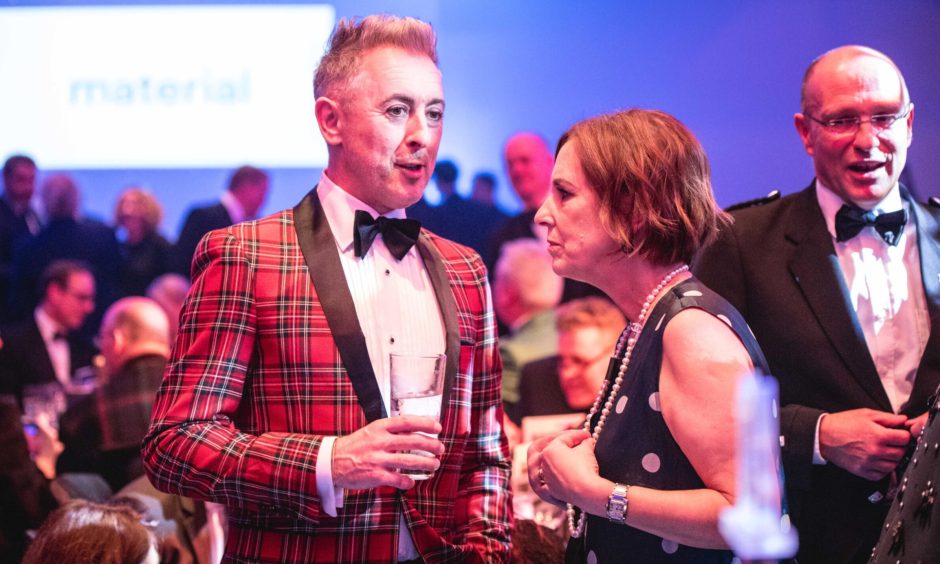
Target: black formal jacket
[(25, 360), (540, 391), (14, 232), (86, 240), (198, 222), (777, 265), (143, 263), (467, 222)]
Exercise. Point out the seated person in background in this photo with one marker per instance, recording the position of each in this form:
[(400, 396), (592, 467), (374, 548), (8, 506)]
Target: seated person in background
[(83, 531), (25, 497), (145, 253), (194, 533), (528, 162), (525, 293), (169, 291), (46, 347), (171, 547), (567, 383), (102, 431)]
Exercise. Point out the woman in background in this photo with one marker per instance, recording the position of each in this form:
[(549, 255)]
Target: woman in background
[(83, 531), (146, 253)]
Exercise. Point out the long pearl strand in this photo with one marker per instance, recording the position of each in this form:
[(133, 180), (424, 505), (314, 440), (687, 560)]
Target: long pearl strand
[(630, 335)]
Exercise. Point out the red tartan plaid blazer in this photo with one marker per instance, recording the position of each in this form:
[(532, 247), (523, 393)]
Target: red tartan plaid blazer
[(270, 358)]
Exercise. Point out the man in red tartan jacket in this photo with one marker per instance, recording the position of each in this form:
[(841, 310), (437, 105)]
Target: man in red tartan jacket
[(276, 399)]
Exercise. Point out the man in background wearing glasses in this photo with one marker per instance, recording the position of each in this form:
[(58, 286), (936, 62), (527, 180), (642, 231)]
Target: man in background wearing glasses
[(840, 285)]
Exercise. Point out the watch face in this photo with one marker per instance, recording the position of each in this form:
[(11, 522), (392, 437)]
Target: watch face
[(617, 505)]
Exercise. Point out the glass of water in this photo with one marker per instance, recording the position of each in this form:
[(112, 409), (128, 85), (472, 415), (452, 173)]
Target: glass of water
[(417, 385), (44, 402)]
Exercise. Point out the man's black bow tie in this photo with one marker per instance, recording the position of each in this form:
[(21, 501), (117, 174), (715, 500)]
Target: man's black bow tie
[(850, 220), (399, 234)]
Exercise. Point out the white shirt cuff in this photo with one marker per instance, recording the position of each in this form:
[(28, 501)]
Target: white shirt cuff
[(331, 497), (817, 455)]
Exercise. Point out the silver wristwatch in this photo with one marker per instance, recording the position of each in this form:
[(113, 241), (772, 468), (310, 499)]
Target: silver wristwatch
[(618, 504)]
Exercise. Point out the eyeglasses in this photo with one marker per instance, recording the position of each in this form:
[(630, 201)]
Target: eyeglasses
[(574, 361), (80, 296), (847, 125)]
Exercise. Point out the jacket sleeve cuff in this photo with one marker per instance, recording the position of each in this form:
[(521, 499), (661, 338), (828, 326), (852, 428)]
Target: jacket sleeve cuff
[(799, 443)]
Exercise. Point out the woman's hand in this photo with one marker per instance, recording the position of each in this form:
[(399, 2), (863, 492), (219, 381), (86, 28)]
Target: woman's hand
[(534, 466), (557, 466), (44, 446)]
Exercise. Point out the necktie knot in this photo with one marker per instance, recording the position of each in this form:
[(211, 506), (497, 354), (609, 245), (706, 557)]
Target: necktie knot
[(850, 221), (399, 235)]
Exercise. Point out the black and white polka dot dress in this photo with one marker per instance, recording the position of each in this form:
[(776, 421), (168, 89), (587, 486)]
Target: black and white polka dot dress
[(636, 447)]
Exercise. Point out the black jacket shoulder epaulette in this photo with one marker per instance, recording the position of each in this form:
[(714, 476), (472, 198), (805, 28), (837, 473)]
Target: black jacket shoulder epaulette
[(773, 195)]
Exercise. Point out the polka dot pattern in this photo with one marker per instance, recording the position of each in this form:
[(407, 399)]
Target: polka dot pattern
[(639, 405), (670, 546), (651, 462), (621, 404)]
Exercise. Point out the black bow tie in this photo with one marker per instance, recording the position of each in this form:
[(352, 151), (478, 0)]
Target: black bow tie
[(850, 220), (399, 234)]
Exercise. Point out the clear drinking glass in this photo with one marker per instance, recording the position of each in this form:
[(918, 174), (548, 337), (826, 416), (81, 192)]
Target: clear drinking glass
[(417, 386), (43, 402)]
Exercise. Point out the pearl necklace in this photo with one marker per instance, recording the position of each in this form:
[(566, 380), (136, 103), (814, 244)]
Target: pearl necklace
[(630, 335)]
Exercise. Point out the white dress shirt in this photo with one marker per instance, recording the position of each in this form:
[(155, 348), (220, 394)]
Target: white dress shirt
[(887, 293), (58, 349), (397, 310)]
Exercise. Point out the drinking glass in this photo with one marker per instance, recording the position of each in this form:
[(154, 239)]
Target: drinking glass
[(417, 386), (43, 402)]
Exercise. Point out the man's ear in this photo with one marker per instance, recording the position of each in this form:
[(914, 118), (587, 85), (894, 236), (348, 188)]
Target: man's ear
[(120, 339), (328, 119), (802, 127), (909, 122)]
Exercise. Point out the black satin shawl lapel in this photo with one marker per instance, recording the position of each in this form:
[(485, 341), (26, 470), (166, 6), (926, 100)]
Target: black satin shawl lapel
[(437, 272), (319, 250)]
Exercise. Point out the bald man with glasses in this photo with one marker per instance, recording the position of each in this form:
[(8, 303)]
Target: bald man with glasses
[(840, 285)]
